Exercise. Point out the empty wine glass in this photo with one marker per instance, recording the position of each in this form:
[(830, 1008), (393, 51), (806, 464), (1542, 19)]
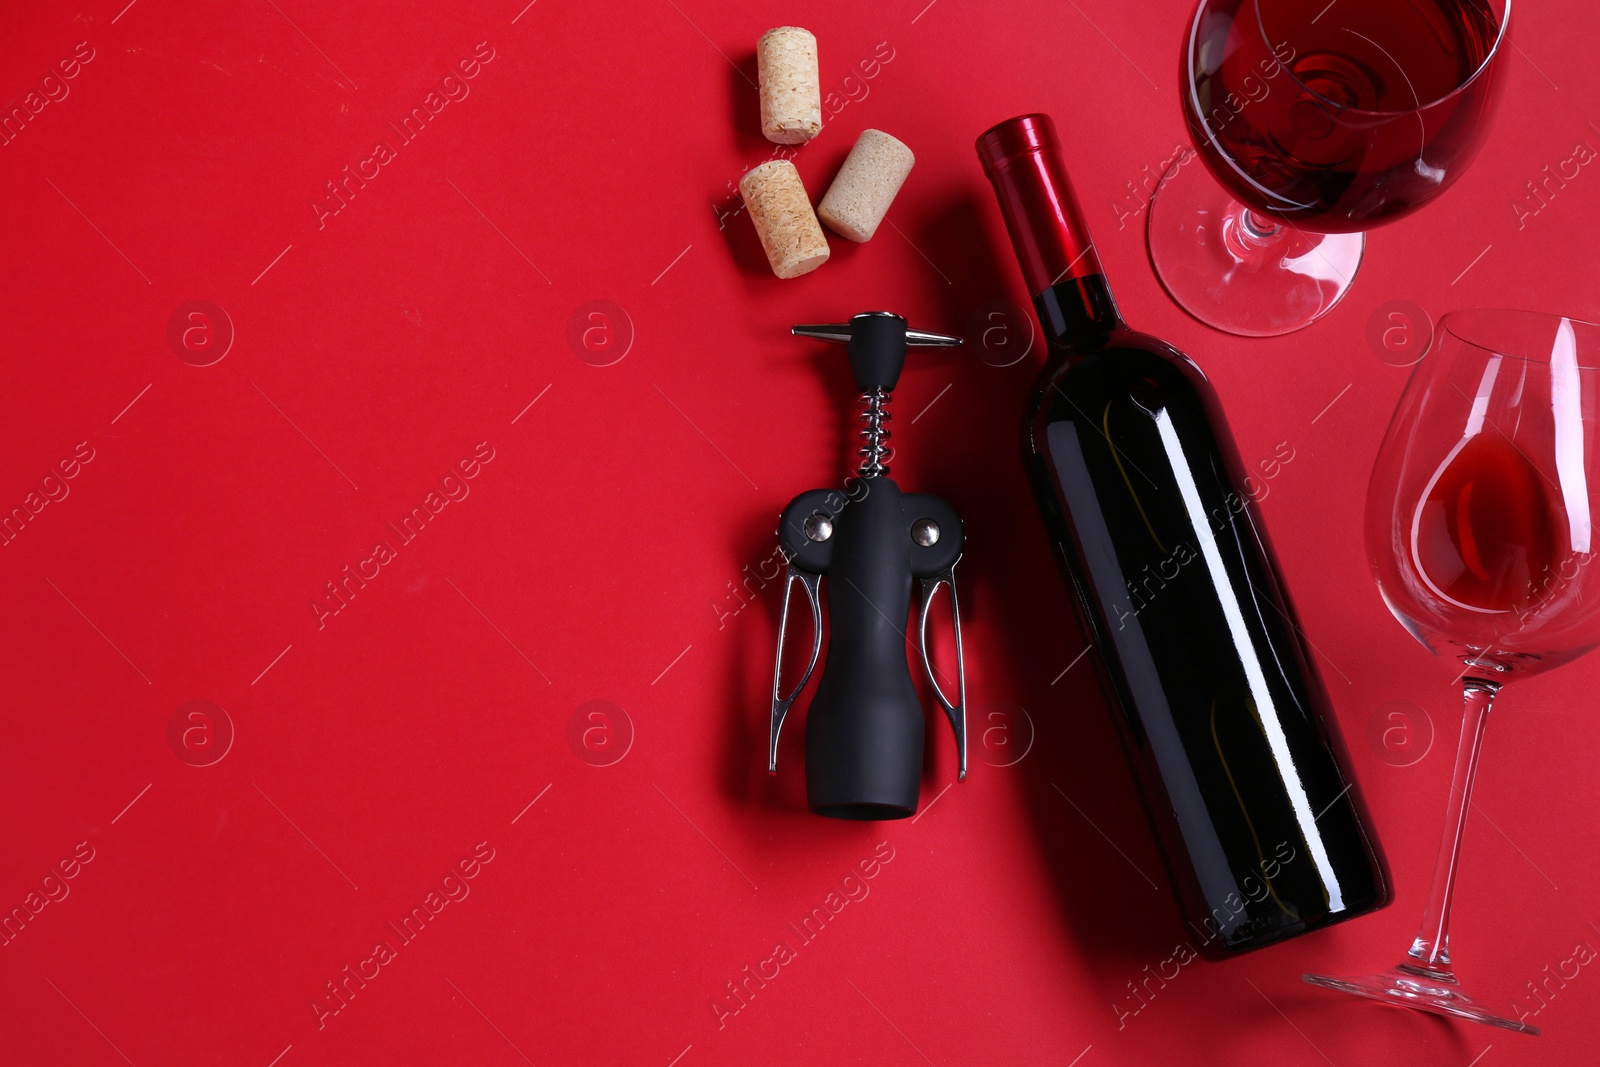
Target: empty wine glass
[(1321, 119), (1480, 527)]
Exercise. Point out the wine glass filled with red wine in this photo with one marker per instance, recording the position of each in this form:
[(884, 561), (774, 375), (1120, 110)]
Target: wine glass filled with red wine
[(1321, 119), (1481, 528)]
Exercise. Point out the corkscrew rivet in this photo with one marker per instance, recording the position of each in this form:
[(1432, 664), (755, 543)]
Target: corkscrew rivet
[(819, 528), (925, 532)]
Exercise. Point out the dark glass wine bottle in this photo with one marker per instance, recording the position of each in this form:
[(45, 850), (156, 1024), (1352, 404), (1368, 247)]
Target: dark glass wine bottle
[(1225, 721)]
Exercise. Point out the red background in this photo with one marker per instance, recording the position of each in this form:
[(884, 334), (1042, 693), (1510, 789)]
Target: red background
[(592, 160)]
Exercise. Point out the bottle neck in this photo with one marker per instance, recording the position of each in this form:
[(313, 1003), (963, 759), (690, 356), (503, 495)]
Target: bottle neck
[(1059, 263), (1077, 313)]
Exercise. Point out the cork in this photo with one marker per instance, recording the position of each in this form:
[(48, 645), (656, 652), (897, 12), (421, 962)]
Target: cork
[(791, 89), (866, 185), (782, 213)]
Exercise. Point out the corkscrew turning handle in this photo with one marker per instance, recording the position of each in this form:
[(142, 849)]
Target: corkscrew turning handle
[(877, 341)]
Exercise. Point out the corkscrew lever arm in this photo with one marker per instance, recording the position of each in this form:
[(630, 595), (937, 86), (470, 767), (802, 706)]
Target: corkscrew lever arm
[(782, 704), (957, 712)]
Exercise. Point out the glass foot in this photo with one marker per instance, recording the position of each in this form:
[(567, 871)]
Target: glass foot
[(1412, 987), (1238, 271)]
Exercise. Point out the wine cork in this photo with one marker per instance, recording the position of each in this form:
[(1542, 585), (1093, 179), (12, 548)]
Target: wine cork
[(791, 89), (866, 185), (784, 220)]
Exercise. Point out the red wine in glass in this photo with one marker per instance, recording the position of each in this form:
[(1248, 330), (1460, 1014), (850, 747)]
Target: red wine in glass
[(1319, 120), (1338, 136), (1486, 529)]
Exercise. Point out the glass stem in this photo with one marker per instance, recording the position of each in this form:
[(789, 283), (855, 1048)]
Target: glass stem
[(1431, 949), (1249, 237), (1255, 229)]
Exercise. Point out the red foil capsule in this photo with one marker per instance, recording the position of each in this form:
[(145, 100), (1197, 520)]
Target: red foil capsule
[(1022, 158)]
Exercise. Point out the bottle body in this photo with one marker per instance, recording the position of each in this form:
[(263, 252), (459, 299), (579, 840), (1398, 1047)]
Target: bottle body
[(1220, 708), (1225, 721)]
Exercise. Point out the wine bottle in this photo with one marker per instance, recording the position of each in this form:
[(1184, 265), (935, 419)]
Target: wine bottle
[(1226, 724)]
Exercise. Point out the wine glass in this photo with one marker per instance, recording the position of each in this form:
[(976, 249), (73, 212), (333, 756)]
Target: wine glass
[(1480, 528), (1321, 119)]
